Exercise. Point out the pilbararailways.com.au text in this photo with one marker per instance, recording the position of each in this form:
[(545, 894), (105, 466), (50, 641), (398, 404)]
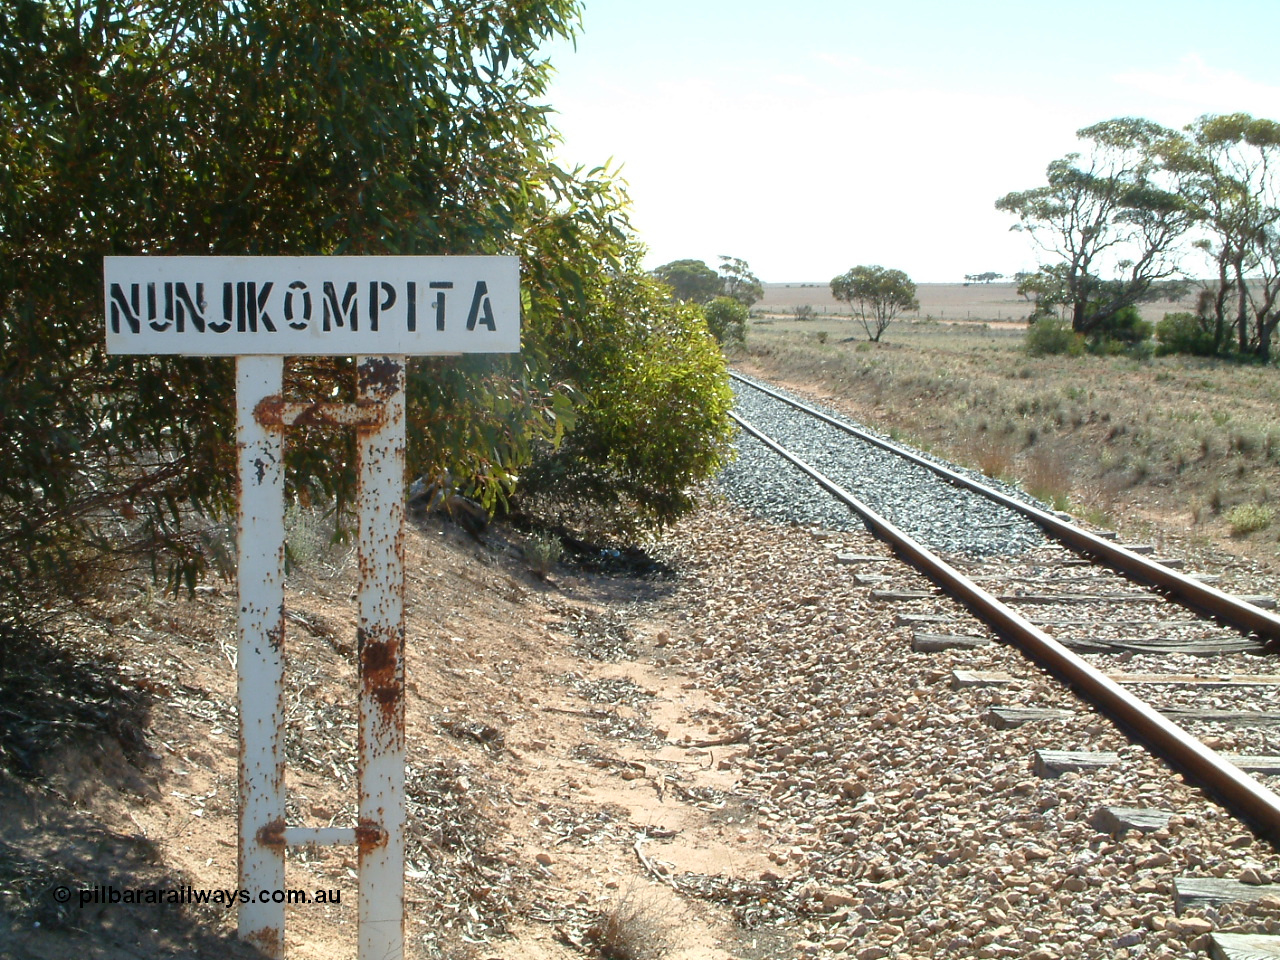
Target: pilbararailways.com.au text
[(176, 896)]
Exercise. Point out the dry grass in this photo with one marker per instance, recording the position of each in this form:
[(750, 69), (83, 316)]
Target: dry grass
[(993, 456), (634, 927), (1172, 440), (1047, 477)]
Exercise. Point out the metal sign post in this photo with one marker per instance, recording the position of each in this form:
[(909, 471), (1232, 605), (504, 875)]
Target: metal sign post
[(380, 831), (381, 310)]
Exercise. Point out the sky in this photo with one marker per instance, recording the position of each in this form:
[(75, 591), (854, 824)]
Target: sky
[(810, 136)]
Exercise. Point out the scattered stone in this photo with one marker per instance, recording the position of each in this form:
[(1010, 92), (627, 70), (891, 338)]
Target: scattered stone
[(916, 619), (1255, 875), (901, 596)]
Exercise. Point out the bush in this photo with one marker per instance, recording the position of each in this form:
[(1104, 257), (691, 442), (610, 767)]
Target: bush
[(1123, 332), (1050, 336), (727, 319), (1185, 333), (1249, 518), (653, 400), (542, 553), (142, 129)]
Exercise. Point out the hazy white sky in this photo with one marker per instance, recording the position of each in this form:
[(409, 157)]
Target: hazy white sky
[(812, 135)]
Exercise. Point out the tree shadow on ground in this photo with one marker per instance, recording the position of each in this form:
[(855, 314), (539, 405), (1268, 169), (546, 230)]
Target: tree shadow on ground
[(72, 744)]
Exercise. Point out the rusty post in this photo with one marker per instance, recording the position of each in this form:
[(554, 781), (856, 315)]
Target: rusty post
[(380, 833), (260, 664)]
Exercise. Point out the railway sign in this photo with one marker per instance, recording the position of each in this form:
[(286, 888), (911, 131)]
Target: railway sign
[(259, 309), (312, 306)]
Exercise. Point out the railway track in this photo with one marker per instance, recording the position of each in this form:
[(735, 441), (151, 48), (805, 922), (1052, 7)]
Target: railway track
[(1171, 659)]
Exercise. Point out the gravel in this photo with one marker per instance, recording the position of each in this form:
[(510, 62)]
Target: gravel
[(901, 823), (941, 516)]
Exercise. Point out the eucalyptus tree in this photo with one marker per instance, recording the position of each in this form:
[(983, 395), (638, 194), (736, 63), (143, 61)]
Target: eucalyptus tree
[(876, 295), (1045, 289), (270, 127), (1228, 170), (1109, 218), (738, 282), (691, 281)]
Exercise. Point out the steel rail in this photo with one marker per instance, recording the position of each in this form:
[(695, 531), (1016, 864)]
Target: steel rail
[(1242, 795), (1189, 592)]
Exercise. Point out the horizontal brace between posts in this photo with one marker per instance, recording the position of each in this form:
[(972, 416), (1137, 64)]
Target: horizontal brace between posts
[(365, 835), (321, 836), (276, 412)]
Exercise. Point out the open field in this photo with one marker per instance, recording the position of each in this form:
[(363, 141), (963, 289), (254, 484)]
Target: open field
[(978, 302), (1172, 446)]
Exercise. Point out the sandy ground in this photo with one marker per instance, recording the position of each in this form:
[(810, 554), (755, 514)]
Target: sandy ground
[(558, 775)]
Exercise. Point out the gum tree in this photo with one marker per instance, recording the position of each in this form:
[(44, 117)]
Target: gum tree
[(690, 280), (1227, 170), (1109, 217), (266, 127), (738, 282), (876, 295)]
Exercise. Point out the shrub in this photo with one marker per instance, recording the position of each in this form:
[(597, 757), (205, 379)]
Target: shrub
[(1249, 518), (651, 418), (631, 929), (543, 552), (1123, 332), (1050, 336), (727, 319), (140, 129), (1185, 333)]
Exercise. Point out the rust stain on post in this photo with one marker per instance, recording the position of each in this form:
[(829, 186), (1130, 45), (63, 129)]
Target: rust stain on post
[(272, 834), (276, 413), (265, 939), (381, 669), (269, 411), (369, 836)]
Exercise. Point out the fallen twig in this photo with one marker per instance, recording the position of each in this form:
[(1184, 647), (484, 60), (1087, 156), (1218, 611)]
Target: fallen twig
[(651, 866)]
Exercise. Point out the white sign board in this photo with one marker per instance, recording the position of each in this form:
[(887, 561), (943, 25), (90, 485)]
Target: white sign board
[(312, 306)]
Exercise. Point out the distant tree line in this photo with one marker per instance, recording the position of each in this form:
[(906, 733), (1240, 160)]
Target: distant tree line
[(725, 297), (1119, 218)]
